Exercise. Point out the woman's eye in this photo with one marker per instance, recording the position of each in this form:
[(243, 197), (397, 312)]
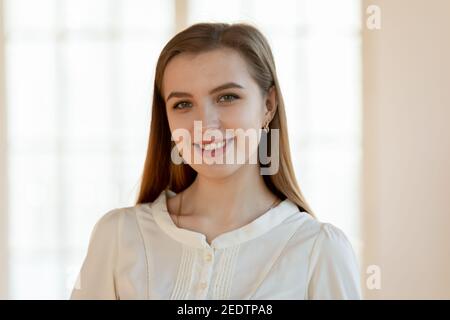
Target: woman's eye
[(228, 98), (181, 105)]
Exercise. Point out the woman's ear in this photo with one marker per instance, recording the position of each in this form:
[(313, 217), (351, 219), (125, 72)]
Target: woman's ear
[(271, 103)]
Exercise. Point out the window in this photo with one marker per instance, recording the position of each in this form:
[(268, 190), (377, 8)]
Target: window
[(79, 77)]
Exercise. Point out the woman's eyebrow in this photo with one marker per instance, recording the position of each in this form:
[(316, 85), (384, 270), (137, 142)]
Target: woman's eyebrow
[(228, 85)]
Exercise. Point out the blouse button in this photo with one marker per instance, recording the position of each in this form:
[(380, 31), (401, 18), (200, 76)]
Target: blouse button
[(203, 285), (208, 257)]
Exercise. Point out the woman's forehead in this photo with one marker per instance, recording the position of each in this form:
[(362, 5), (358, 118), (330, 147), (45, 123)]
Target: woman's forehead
[(188, 71)]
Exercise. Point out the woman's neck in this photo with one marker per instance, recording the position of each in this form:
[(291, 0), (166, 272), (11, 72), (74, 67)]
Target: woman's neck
[(234, 200)]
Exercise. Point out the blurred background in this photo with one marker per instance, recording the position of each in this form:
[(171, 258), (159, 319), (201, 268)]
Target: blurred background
[(366, 86)]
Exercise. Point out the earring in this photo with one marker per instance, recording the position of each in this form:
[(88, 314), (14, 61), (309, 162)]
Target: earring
[(178, 151), (181, 156)]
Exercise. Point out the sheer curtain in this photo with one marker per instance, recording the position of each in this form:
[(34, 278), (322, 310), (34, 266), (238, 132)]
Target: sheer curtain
[(78, 93)]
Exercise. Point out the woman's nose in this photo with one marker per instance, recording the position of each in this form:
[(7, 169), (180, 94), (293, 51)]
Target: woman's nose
[(209, 116)]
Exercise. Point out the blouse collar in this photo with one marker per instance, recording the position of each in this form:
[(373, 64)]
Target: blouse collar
[(255, 228)]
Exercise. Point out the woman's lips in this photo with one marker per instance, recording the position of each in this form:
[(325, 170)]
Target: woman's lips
[(217, 148)]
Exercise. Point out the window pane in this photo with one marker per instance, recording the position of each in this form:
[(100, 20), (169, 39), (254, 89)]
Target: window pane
[(333, 16), (93, 14), (30, 15), (149, 15), (37, 275), (88, 68), (31, 88), (276, 17), (33, 204), (333, 82), (137, 61), (217, 11)]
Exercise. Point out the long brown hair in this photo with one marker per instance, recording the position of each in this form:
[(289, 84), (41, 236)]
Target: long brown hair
[(160, 172)]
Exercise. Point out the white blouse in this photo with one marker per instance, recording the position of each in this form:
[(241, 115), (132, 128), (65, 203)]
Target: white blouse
[(139, 253)]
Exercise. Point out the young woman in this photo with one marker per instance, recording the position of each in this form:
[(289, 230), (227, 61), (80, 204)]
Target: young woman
[(203, 230)]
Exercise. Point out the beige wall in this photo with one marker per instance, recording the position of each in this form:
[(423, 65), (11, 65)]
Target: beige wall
[(406, 207), (3, 171)]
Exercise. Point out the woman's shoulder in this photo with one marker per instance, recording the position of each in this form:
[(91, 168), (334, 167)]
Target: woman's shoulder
[(115, 218), (326, 236), (327, 233), (333, 265), (323, 240), (324, 232), (112, 216), (332, 240)]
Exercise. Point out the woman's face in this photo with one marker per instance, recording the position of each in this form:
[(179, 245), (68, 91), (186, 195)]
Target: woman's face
[(216, 88)]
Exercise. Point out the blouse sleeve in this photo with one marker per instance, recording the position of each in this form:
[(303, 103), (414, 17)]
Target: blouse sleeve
[(334, 269), (96, 277)]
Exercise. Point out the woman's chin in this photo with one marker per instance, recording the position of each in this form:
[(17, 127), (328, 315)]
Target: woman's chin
[(216, 170)]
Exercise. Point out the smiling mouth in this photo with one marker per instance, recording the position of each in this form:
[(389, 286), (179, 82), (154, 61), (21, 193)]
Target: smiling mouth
[(212, 147)]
